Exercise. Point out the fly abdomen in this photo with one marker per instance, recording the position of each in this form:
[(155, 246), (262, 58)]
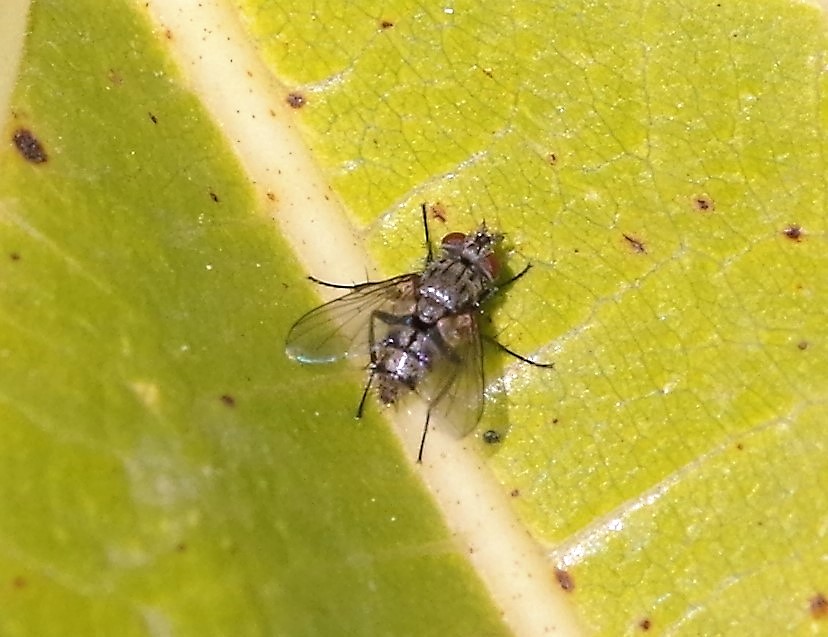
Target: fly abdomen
[(401, 360)]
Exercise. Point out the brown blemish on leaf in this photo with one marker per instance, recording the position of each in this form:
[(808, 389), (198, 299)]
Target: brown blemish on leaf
[(14, 256), (645, 624), (271, 196), (515, 493), (636, 244), (295, 99), (153, 118), (168, 33), (740, 446), (29, 146), (115, 77), (438, 211), (565, 580), (803, 345), (228, 400), (704, 203), (386, 24), (214, 196), (181, 547), (551, 159), (19, 582), (793, 232), (818, 605)]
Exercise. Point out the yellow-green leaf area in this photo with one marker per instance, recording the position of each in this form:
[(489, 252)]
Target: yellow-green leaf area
[(662, 166), (165, 469)]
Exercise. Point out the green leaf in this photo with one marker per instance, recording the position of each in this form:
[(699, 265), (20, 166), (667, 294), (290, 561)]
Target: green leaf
[(663, 167), (167, 470)]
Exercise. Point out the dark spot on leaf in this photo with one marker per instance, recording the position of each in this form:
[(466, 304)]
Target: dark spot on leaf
[(803, 345), (793, 232), (645, 624), (115, 77), (491, 437), (551, 159), (740, 446), (19, 582), (228, 400), (515, 493), (296, 100), (153, 118), (271, 196), (14, 256), (168, 34), (703, 203), (565, 579), (214, 196), (181, 547), (554, 421), (29, 146), (438, 211), (819, 606), (636, 244), (386, 24), (487, 71)]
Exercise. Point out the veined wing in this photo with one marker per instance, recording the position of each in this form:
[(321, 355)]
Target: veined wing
[(341, 328), (454, 388)]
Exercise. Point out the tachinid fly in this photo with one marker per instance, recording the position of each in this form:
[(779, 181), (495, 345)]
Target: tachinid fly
[(419, 330)]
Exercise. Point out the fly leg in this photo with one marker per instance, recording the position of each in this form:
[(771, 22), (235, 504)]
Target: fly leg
[(429, 254), (516, 277), (364, 395), (371, 365), (387, 319), (341, 286), (503, 348), (500, 345), (452, 359), (442, 394), (422, 439), (501, 286)]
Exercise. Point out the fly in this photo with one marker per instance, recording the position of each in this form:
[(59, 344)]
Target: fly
[(419, 330)]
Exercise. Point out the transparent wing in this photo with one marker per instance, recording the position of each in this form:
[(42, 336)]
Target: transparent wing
[(341, 328), (454, 388)]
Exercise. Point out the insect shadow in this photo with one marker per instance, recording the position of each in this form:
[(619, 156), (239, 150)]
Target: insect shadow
[(419, 331)]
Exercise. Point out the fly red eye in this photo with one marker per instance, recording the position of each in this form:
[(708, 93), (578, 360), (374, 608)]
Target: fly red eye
[(492, 264), (454, 239)]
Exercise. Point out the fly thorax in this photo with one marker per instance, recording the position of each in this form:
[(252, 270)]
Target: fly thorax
[(430, 310)]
